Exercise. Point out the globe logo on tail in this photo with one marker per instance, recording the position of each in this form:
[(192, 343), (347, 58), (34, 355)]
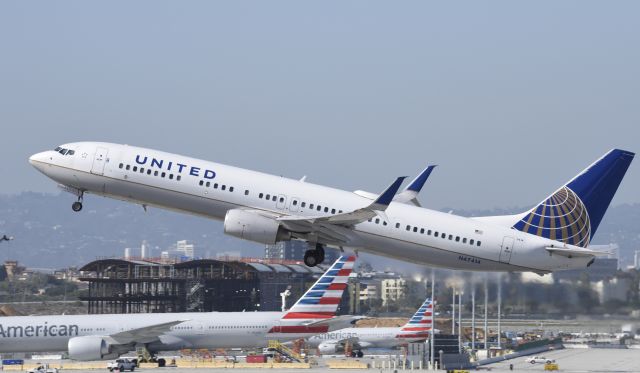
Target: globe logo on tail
[(562, 217)]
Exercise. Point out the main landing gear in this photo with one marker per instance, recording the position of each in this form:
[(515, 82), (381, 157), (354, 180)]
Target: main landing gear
[(77, 206), (313, 257)]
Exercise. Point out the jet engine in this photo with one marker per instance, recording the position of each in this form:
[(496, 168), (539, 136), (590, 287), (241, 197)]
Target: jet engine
[(90, 348), (328, 348), (250, 225)]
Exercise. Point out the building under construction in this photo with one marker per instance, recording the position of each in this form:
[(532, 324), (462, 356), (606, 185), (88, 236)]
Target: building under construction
[(140, 286)]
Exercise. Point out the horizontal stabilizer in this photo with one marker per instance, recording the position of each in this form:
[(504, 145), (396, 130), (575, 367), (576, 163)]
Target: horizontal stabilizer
[(575, 252)]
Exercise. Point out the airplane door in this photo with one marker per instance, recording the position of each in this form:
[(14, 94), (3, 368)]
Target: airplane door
[(294, 204), (99, 160), (281, 202), (507, 249)]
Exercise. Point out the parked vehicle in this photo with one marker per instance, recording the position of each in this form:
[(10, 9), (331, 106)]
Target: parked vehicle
[(539, 359), (122, 365), (43, 368)]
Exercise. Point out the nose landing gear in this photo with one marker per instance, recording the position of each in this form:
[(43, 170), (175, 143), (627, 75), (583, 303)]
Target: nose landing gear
[(313, 257), (77, 206)]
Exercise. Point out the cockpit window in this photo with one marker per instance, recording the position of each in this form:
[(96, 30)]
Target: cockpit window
[(64, 151)]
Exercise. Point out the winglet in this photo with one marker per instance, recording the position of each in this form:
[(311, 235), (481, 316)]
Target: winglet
[(417, 183), (386, 197)]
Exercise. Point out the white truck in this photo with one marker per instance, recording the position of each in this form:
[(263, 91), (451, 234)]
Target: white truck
[(122, 365), (43, 368)]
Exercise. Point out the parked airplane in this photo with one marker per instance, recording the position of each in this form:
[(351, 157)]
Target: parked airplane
[(95, 337), (264, 208), (415, 330)]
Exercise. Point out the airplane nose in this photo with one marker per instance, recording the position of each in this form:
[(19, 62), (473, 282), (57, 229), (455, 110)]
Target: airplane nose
[(39, 158)]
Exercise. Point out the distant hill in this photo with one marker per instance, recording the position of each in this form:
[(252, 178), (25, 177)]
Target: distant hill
[(49, 235)]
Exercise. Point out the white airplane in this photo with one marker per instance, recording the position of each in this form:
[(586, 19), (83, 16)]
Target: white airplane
[(96, 337), (554, 235), (415, 330)]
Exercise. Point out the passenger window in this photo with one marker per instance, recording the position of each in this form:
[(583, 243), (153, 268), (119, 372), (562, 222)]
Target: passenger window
[(230, 189), (408, 227), (208, 184), (215, 186), (471, 241), (478, 243), (128, 167), (384, 222), (201, 182), (421, 230), (333, 211), (319, 208), (135, 168), (415, 229), (260, 195), (377, 220), (295, 203), (148, 172), (223, 187), (155, 173), (339, 211), (443, 235), (170, 176), (303, 204), (273, 198), (397, 225), (178, 177), (457, 238), (464, 240), (246, 192), (326, 209), (121, 165), (281, 199), (450, 237), (435, 234), (141, 170), (163, 174)]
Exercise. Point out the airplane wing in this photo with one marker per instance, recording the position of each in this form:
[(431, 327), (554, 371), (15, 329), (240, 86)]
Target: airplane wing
[(356, 216), (145, 334)]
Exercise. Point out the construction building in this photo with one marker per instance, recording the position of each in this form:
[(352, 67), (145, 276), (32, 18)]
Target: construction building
[(145, 286)]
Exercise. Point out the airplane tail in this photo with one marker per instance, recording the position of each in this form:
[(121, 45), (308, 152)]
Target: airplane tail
[(573, 213), (420, 324), (311, 313)]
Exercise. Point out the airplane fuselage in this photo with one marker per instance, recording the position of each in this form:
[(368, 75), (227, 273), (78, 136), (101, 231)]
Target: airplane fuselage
[(209, 189), (200, 329)]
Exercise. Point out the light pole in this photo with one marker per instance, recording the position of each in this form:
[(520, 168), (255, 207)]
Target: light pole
[(433, 317), (453, 311), (460, 321), (473, 314)]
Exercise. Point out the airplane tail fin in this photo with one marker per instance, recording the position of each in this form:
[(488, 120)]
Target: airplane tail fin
[(420, 324), (319, 303), (573, 213)]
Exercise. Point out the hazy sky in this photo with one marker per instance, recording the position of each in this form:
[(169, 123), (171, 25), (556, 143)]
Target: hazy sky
[(510, 99)]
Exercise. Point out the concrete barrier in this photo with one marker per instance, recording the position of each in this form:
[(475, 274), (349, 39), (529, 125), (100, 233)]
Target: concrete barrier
[(347, 364)]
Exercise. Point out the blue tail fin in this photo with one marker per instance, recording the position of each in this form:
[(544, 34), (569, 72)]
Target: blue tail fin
[(573, 213)]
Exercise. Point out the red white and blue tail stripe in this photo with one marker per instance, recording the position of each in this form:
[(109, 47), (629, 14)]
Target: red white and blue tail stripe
[(420, 324), (320, 302)]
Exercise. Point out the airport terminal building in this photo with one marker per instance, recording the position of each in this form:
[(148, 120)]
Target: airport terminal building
[(204, 285)]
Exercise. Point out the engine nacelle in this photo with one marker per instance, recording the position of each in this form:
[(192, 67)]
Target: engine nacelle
[(252, 226), (90, 347), (328, 348)]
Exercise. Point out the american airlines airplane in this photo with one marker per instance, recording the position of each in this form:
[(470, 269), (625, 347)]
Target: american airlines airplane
[(96, 337), (417, 329), (553, 235)]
